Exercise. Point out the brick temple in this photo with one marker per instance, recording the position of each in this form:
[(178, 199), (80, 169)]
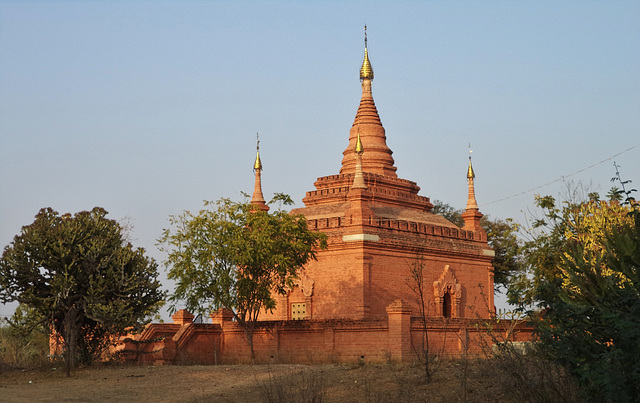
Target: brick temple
[(378, 226), (355, 302)]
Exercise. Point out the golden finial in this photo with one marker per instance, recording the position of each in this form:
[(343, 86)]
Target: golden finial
[(257, 166), (358, 179), (471, 199), (470, 173), (359, 148), (366, 71)]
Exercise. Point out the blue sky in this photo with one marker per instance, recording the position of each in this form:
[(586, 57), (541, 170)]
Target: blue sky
[(146, 108)]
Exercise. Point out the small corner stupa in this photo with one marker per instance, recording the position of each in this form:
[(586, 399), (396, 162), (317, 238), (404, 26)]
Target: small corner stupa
[(472, 214), (257, 200), (378, 226)]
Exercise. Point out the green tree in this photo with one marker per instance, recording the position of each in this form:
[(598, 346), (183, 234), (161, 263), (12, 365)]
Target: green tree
[(79, 275), (503, 239), (585, 279), (231, 255), (501, 236)]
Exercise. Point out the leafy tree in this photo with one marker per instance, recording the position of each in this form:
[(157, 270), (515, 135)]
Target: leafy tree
[(501, 236), (585, 277), (79, 275), (231, 255), (542, 254)]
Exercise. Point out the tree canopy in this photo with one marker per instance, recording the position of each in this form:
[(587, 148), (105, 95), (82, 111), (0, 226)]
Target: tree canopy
[(584, 278), (234, 256), (79, 275)]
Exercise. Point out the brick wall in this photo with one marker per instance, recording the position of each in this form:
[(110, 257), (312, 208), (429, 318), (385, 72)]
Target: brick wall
[(396, 338)]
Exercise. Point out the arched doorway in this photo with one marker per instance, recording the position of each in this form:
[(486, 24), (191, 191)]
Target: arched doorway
[(448, 293)]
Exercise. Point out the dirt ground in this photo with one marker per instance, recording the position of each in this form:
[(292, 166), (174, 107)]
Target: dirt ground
[(246, 383)]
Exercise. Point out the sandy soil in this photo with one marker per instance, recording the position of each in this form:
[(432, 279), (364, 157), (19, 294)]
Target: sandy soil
[(245, 383)]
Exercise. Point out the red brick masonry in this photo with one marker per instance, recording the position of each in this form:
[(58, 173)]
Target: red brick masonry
[(396, 339)]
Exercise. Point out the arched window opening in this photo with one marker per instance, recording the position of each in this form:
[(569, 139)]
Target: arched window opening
[(446, 305)]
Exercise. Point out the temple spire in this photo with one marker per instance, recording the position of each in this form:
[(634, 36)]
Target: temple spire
[(471, 198), (368, 126), (358, 179), (258, 199), (472, 214)]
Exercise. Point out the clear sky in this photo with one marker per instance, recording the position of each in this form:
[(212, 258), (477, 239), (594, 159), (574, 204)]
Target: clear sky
[(146, 108)]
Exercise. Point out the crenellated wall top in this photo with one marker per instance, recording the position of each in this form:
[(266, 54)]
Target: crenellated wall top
[(376, 223)]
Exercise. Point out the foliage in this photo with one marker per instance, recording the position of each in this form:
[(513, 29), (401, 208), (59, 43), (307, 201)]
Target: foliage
[(615, 194), (525, 373), (501, 236), (231, 255), (521, 369), (542, 254), (449, 212), (78, 275), (23, 344), (584, 223), (585, 276)]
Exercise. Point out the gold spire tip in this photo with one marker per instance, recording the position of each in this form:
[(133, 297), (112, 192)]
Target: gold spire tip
[(359, 148), (257, 165), (366, 71), (470, 173)]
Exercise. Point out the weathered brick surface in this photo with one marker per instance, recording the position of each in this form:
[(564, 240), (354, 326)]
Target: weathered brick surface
[(398, 338)]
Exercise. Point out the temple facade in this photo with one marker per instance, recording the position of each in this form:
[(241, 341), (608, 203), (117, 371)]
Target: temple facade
[(378, 229)]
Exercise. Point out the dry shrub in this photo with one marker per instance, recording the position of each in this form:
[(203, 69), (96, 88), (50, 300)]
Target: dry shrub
[(522, 371), (529, 376), (19, 350), (295, 386)]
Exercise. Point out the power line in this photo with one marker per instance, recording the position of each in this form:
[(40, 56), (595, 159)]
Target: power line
[(561, 178)]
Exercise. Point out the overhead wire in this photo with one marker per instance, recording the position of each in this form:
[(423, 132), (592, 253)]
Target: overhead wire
[(563, 177)]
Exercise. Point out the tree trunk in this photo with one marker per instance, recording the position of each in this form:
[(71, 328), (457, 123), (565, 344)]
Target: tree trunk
[(248, 333), (416, 283), (425, 340), (70, 334)]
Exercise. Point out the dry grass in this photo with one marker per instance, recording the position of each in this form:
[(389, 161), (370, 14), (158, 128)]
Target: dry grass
[(241, 383), (22, 350)]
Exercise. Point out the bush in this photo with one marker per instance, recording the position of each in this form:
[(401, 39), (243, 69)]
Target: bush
[(522, 370), (19, 350), (303, 386), (528, 375)]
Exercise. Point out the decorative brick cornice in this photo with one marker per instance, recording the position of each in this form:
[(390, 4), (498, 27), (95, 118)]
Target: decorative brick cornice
[(385, 190)]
